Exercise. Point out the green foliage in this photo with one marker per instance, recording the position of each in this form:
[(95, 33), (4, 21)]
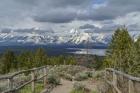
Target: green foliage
[(98, 75), (53, 78), (135, 69), (89, 73), (27, 89), (94, 92), (69, 71), (77, 91), (40, 57), (28, 59), (25, 60), (78, 86), (67, 76), (66, 60), (83, 75), (122, 53), (97, 62), (8, 61)]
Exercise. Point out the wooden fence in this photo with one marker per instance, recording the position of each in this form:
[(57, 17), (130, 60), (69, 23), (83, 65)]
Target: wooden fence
[(121, 82), (15, 82)]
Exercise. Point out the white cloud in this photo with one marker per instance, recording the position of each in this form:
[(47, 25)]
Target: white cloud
[(129, 19), (69, 13)]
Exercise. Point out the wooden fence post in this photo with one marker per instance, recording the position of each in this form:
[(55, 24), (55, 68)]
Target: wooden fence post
[(114, 79), (114, 82), (11, 83), (45, 78), (105, 75), (33, 81), (131, 86)]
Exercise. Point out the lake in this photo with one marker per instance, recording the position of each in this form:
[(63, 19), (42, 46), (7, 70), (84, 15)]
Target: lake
[(99, 52), (55, 50)]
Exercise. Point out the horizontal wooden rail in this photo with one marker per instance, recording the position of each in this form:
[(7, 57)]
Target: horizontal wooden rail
[(124, 75), (20, 72), (10, 77), (114, 80)]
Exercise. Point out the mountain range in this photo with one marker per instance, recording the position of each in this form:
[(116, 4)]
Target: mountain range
[(35, 36)]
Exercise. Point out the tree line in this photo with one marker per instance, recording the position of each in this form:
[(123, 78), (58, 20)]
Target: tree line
[(123, 53), (10, 61)]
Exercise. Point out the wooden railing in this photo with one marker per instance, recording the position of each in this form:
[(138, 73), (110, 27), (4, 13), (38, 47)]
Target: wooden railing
[(121, 82), (13, 83)]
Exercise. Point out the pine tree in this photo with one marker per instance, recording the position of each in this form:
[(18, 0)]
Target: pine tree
[(120, 54), (70, 60), (8, 59), (40, 57), (25, 60), (135, 68)]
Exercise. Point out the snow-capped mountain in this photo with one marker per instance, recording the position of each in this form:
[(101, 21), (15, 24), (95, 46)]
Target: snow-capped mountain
[(32, 36), (84, 37), (135, 35), (36, 36)]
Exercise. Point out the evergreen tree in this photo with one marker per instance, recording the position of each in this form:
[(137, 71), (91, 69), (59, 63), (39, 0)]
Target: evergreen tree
[(40, 57), (135, 68), (8, 59), (25, 60), (1, 66), (120, 54), (70, 60)]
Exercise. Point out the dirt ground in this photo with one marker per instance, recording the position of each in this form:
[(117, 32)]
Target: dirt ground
[(67, 86)]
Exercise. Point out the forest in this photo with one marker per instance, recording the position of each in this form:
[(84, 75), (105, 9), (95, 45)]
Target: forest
[(11, 61)]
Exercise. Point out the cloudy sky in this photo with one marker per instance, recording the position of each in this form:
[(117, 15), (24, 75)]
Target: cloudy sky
[(60, 15)]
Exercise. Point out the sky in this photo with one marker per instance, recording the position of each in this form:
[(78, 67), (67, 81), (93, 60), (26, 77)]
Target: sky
[(63, 15)]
